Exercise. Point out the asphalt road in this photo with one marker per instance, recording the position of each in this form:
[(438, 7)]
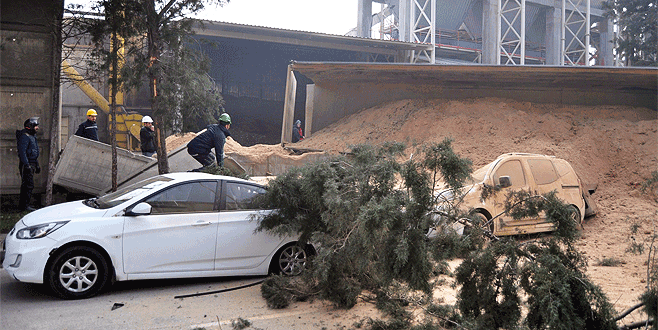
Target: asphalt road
[(151, 305)]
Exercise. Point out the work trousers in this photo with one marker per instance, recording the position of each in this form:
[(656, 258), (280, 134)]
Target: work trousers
[(205, 159), (27, 185)]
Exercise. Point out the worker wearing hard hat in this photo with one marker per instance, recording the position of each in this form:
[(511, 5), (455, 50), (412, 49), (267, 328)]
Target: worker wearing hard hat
[(89, 129), (28, 155), (147, 137), (215, 135), (297, 133)]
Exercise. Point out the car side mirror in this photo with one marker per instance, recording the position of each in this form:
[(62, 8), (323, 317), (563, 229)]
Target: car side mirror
[(139, 209), (504, 182)]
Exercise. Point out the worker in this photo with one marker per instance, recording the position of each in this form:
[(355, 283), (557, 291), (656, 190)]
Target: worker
[(89, 129), (297, 133), (28, 164), (214, 136), (147, 137)]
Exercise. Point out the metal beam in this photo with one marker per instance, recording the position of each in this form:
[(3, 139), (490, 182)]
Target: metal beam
[(85, 87)]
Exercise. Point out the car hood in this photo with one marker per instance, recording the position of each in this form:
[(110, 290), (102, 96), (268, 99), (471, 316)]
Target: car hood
[(65, 211)]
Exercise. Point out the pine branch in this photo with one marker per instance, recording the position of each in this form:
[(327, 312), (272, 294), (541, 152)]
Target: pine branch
[(637, 325), (630, 310)]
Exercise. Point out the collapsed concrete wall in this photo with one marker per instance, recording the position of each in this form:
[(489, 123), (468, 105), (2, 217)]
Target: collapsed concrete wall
[(257, 160)]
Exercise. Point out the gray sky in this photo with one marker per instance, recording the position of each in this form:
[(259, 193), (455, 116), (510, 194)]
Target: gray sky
[(333, 16)]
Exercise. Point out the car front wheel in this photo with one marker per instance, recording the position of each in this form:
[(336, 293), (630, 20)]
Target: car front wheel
[(78, 273), (290, 260), (574, 214), (482, 220)]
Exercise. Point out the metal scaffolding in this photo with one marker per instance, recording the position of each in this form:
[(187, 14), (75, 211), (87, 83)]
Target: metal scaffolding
[(575, 33), (423, 29), (504, 32), (511, 34)]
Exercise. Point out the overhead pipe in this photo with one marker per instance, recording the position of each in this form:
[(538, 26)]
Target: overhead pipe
[(85, 87)]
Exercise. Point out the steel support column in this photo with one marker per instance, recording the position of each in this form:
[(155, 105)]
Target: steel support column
[(423, 29), (511, 35), (575, 32), (364, 19)]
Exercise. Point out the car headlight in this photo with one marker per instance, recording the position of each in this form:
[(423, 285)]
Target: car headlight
[(39, 231)]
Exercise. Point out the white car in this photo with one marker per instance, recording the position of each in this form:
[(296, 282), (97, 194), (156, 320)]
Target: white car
[(169, 226)]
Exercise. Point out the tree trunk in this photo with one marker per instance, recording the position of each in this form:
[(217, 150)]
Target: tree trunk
[(54, 110), (114, 80), (153, 21), (161, 147)]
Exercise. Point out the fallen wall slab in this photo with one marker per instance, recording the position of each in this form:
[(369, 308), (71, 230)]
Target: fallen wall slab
[(86, 165)]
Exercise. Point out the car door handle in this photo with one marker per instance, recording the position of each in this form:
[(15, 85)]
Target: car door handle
[(201, 223)]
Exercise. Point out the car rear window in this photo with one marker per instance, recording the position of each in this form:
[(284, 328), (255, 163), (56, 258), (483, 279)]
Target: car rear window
[(243, 196), (543, 171), (563, 168)]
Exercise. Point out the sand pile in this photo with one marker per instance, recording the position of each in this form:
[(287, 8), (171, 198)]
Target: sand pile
[(257, 160)]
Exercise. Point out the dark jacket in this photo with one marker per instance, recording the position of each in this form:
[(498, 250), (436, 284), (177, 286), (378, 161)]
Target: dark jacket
[(88, 130), (214, 137), (297, 134), (28, 149), (147, 139)]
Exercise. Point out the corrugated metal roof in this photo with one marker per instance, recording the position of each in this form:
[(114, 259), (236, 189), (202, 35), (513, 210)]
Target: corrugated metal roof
[(609, 79), (303, 38), (450, 14)]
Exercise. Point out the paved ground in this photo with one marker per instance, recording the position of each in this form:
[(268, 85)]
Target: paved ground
[(151, 305)]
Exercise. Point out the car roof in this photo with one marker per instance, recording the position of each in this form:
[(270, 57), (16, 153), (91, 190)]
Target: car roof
[(525, 155), (186, 176)]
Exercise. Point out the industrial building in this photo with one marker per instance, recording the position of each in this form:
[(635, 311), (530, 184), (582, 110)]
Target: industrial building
[(447, 44), (509, 32)]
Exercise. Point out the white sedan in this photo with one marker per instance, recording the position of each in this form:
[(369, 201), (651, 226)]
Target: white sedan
[(169, 226)]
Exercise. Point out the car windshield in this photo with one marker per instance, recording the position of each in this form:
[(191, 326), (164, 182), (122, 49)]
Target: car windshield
[(124, 194), (478, 175)]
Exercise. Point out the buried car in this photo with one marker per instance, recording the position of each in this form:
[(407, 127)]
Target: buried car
[(528, 172), (169, 226)]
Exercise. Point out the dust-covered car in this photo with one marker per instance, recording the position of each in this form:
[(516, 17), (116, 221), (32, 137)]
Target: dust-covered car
[(169, 226), (528, 172)]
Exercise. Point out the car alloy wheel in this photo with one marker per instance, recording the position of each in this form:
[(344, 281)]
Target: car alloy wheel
[(291, 260), (78, 272)]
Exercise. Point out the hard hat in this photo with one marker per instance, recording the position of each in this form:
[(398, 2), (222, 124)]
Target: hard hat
[(31, 122), (147, 119), (92, 112), (225, 118), (298, 122)]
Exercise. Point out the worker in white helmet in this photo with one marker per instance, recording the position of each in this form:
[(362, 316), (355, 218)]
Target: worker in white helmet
[(147, 137)]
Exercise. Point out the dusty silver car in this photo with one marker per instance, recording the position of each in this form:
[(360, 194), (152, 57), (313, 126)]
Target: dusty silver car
[(528, 172)]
